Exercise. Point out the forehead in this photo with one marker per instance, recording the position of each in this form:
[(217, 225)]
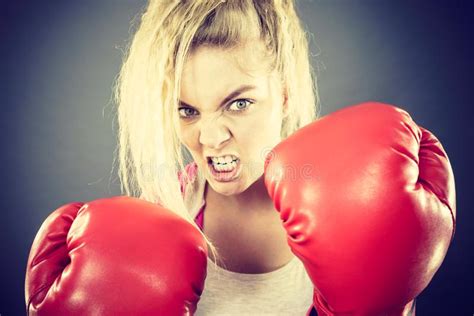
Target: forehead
[(211, 70), (249, 56)]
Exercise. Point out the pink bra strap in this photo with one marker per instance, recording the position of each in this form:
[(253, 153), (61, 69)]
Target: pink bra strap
[(191, 171)]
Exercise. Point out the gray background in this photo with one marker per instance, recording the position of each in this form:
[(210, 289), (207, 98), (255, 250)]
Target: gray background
[(59, 59)]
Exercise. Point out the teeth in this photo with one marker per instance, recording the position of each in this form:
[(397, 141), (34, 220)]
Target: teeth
[(223, 159), (224, 163), (225, 167)]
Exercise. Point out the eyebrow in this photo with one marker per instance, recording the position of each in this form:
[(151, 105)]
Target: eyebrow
[(232, 95)]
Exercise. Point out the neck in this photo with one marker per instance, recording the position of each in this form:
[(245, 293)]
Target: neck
[(255, 199)]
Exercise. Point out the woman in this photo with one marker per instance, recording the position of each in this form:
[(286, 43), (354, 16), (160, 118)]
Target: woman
[(365, 196), (226, 81)]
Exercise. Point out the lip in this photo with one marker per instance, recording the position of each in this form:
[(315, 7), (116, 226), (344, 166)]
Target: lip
[(224, 176), (208, 157)]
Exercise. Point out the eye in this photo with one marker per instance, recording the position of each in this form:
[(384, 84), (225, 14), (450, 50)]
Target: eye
[(240, 105), (185, 112)]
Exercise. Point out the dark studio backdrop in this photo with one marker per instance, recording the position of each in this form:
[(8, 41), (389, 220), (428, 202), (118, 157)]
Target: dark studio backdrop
[(58, 61)]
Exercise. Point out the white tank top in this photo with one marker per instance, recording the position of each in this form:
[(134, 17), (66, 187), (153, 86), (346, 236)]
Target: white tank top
[(285, 291)]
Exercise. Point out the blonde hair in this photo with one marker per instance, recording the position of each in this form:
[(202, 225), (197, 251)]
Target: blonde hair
[(150, 154)]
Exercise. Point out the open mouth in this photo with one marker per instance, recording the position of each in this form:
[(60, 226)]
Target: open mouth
[(224, 169)]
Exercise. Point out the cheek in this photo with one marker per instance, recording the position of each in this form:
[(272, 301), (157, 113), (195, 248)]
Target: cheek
[(269, 126), (259, 139), (188, 136)]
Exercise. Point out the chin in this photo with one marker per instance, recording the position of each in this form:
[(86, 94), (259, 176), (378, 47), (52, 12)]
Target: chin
[(228, 188)]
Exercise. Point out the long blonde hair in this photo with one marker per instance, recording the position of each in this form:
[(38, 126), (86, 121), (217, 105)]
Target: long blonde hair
[(147, 89)]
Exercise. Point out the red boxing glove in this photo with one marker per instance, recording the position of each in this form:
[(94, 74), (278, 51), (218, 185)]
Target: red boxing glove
[(368, 201), (115, 256)]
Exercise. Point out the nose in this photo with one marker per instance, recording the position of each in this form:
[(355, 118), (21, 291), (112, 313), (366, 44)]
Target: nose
[(213, 133)]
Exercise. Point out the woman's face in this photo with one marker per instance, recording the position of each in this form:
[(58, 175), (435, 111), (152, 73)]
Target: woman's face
[(231, 113)]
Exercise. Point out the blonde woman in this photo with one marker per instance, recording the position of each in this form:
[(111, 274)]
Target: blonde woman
[(239, 214)]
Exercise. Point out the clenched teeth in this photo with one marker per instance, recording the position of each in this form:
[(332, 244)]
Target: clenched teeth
[(224, 159)]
